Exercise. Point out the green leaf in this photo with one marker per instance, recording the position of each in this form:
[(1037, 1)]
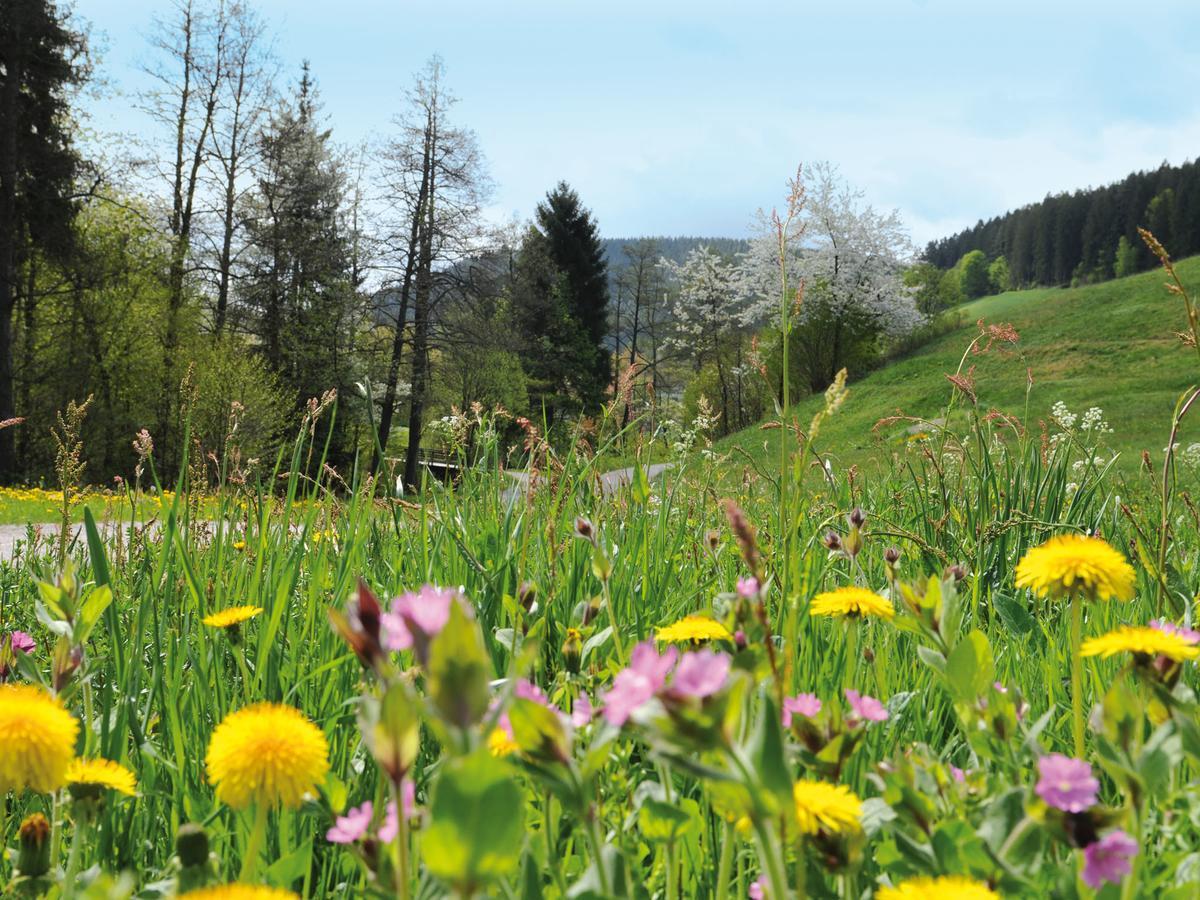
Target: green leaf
[(875, 815), (289, 869), (477, 826), (90, 610), (1013, 613), (767, 757), (538, 731), (95, 547), (660, 821), (969, 668), (932, 658), (459, 669)]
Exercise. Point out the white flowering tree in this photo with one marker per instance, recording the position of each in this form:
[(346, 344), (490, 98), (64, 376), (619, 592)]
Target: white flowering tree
[(710, 328), (850, 258)]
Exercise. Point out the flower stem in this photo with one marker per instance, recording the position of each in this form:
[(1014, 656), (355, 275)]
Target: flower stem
[(1077, 673), (723, 867), (400, 848), (72, 872), (597, 842), (254, 846), (768, 850)]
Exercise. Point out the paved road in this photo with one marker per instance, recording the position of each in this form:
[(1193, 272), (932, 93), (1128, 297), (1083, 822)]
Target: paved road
[(11, 535)]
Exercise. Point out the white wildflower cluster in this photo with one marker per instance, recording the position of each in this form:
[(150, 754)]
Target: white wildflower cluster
[(1188, 456), (683, 439), (1092, 425)]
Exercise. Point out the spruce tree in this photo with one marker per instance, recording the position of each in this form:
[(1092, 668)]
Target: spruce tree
[(574, 246), (40, 59)]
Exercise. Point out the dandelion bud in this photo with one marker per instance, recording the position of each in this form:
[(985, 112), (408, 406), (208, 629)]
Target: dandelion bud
[(572, 650), (591, 610), (857, 517), (191, 845), (832, 541), (33, 858), (585, 529), (191, 849)]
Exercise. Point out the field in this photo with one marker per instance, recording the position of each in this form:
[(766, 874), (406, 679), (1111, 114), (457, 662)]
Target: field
[(1111, 345), (540, 745)]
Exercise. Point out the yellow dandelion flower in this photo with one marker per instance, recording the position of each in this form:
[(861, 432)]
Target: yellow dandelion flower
[(1141, 641), (101, 773), (266, 753), (239, 545), (694, 628), (37, 739), (851, 601), (500, 744), (229, 618), (831, 808), (945, 887), (241, 892), (1074, 563)]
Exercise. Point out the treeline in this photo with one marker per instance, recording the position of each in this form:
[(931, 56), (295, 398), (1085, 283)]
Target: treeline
[(1087, 235), (235, 273)]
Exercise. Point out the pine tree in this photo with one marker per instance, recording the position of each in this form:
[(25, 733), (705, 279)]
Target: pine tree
[(574, 245), (40, 59)]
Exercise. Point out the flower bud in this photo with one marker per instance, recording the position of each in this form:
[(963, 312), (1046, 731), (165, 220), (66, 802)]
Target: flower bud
[(958, 572), (191, 845), (713, 539), (857, 517), (33, 857), (584, 529), (572, 650), (192, 851), (891, 555), (527, 595), (832, 541), (591, 610)]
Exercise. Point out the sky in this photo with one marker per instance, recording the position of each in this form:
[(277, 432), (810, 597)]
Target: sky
[(674, 118)]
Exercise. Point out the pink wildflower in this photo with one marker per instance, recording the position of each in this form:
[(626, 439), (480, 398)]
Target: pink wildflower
[(866, 708), (701, 674), (633, 686), (806, 705), (1066, 783)]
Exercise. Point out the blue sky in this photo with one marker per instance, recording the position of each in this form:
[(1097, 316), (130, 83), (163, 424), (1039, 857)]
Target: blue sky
[(685, 118)]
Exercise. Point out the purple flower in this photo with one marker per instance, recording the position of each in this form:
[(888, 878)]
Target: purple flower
[(1188, 634), (1066, 783), (806, 705), (21, 642), (701, 674), (999, 685), (1108, 859), (582, 713), (424, 612), (758, 890), (633, 686), (747, 587), (866, 708), (352, 826), (959, 775), (527, 690), (391, 824)]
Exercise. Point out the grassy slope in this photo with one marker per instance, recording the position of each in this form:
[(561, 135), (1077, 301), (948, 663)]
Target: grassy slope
[(1110, 345)]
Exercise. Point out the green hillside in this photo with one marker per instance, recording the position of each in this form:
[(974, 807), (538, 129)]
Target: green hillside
[(1110, 345)]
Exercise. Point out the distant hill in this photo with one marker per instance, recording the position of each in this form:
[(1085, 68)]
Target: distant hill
[(1111, 345), (673, 248)]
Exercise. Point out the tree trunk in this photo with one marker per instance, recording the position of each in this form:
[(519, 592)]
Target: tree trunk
[(9, 101)]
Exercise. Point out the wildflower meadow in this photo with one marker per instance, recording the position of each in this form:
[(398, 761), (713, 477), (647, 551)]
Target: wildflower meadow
[(970, 676)]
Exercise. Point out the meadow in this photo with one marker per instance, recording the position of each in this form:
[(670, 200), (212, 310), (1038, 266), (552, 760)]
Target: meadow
[(771, 680)]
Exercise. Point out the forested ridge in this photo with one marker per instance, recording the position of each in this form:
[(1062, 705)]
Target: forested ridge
[(1086, 235)]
